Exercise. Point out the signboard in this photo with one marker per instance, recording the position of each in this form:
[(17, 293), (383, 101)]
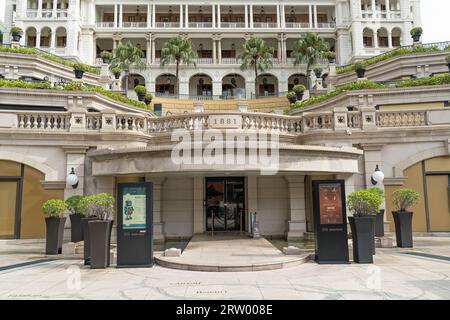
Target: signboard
[(330, 221), (135, 224), (225, 121)]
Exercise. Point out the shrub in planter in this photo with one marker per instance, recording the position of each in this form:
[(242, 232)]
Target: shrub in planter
[(447, 59), (53, 210), (16, 33), (79, 69), (291, 96), (116, 71), (76, 229), (141, 91), (379, 220), (102, 206), (403, 200), (360, 68), (416, 33), (299, 90), (106, 56), (318, 72), (364, 205), (331, 56), (148, 98)]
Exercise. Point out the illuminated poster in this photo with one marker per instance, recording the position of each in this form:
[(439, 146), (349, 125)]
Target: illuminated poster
[(134, 210), (330, 200)]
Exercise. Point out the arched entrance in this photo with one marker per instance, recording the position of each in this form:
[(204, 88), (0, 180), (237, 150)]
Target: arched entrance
[(200, 85), (61, 37), (165, 84), (233, 85), (296, 79), (396, 37), (383, 41), (134, 80), (368, 38), (267, 85), (30, 37), (46, 35)]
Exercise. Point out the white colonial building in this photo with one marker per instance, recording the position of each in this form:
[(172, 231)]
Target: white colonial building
[(81, 29)]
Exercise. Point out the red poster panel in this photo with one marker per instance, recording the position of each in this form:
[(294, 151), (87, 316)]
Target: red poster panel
[(330, 200)]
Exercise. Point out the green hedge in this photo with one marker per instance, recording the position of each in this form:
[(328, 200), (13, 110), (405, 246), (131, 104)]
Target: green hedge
[(367, 84), (391, 54), (50, 57), (73, 86)]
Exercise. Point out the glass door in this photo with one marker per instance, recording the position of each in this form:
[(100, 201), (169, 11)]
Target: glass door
[(8, 196), (225, 204)]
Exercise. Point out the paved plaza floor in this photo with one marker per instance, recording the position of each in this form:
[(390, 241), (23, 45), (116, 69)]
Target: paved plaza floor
[(419, 273)]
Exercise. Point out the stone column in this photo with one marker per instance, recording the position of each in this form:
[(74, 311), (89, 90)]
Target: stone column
[(219, 20), (55, 4), (120, 15), (153, 16), (158, 224), (279, 49), (149, 49), (297, 213), (181, 18), (38, 38), (115, 16), (219, 51), (213, 15), (149, 16), (390, 39), (39, 13), (374, 8), (315, 16), (246, 16), (251, 16), (153, 49), (388, 9), (198, 190), (310, 17), (278, 16), (214, 50)]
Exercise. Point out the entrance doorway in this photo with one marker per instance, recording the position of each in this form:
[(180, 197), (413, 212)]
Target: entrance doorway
[(9, 208), (225, 204)]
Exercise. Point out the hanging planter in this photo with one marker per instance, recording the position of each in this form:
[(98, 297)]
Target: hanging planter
[(416, 33), (79, 70), (53, 210), (360, 68), (403, 200)]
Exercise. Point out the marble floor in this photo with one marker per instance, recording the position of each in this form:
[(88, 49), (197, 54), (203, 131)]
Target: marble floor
[(394, 275)]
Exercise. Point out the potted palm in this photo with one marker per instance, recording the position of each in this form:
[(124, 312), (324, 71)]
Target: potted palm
[(360, 68), (79, 70), (379, 218), (106, 56), (102, 206), (53, 210), (318, 72), (141, 91), (16, 33), (116, 71), (76, 230), (447, 59), (291, 96), (331, 56), (364, 205), (148, 98), (299, 90), (403, 200), (416, 33)]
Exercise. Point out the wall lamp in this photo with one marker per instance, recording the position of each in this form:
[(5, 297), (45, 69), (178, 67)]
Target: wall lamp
[(72, 179), (377, 176)]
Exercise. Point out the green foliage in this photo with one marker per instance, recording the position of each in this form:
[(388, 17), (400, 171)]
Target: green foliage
[(126, 56), (79, 67), (16, 30), (361, 65), (73, 86), (148, 95), (378, 192), (416, 30), (391, 54), (54, 208), (32, 51), (363, 203), (116, 70), (99, 205), (291, 95), (404, 199), (140, 90), (427, 81), (330, 54), (73, 204), (318, 70), (299, 88), (106, 54), (256, 55)]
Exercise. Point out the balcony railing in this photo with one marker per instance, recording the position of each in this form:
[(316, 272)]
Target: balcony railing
[(232, 25), (32, 14), (61, 13), (230, 61), (167, 24), (104, 24), (204, 60), (326, 25), (369, 14), (134, 24), (297, 25), (267, 25), (47, 14), (200, 25)]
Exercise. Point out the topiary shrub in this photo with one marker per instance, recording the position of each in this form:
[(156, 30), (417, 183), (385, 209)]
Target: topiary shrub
[(73, 204), (54, 208), (404, 199), (299, 88), (363, 203)]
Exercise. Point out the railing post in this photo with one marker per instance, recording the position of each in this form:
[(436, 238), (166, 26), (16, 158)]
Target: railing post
[(78, 119), (368, 118), (340, 119), (108, 120)]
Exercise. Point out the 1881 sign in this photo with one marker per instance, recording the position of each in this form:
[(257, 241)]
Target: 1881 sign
[(330, 221)]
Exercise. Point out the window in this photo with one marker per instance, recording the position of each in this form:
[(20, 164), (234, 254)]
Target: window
[(368, 42)]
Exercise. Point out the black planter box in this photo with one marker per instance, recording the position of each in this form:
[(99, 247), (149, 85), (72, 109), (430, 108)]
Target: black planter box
[(147, 101), (54, 235), (76, 230), (100, 243), (299, 96), (361, 73), (292, 100), (141, 97), (331, 60), (362, 236), (16, 37), (403, 228), (379, 224), (87, 247), (318, 75), (78, 74), (117, 75), (105, 60), (416, 37)]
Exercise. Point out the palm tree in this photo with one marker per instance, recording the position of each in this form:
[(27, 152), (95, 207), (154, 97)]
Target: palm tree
[(178, 50), (256, 54), (309, 50), (126, 56)]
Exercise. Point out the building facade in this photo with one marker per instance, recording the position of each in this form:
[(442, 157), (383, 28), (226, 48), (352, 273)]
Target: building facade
[(81, 29)]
